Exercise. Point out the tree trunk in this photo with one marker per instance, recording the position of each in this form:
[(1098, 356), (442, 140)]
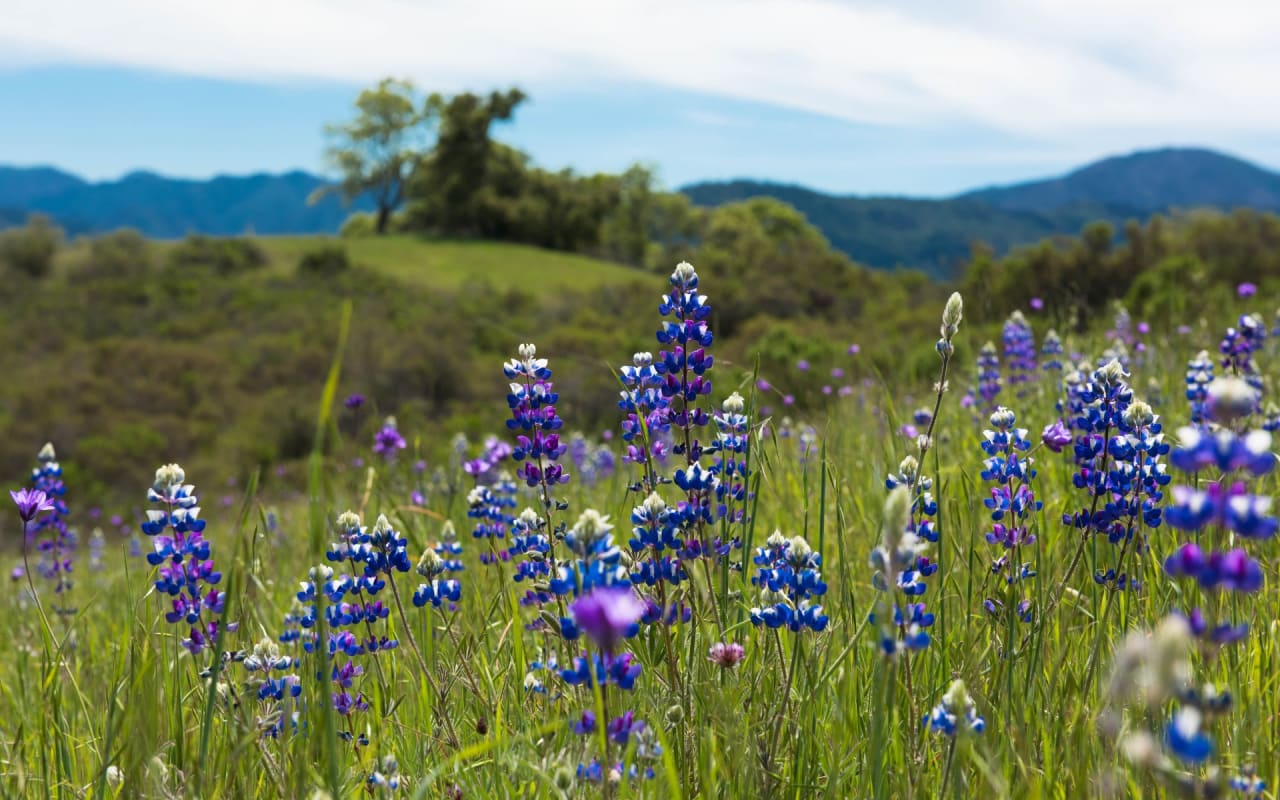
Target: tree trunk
[(384, 216)]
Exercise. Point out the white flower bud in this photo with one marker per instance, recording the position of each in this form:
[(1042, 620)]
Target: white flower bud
[(592, 525), (684, 272), (1112, 373), (951, 316), (527, 351), (1231, 398), (348, 520), (1139, 415), (733, 404)]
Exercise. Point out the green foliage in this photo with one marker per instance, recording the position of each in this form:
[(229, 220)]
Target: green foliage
[(223, 256), (377, 152), (30, 249), (448, 194), (120, 254), (1164, 267), (325, 260)]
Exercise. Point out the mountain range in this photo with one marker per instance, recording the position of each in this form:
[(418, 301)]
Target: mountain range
[(936, 234), (167, 208), (931, 234)]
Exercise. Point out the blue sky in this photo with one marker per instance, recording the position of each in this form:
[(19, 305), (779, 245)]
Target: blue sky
[(859, 97)]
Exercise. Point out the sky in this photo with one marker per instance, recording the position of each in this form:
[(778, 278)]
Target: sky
[(914, 97)]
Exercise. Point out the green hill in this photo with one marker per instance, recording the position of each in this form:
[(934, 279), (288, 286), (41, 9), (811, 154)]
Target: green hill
[(430, 264)]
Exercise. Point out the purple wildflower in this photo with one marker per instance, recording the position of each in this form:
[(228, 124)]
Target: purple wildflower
[(31, 502), (387, 442), (606, 613)]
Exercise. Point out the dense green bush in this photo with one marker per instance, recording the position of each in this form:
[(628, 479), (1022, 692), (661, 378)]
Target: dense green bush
[(120, 254), (30, 249), (224, 256), (326, 259)]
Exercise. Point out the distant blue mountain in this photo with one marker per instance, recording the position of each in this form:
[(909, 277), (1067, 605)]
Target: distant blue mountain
[(930, 234), (165, 208), (936, 235)]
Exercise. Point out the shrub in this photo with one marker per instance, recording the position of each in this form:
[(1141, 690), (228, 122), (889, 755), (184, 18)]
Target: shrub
[(31, 249), (327, 259), (120, 254), (225, 256)]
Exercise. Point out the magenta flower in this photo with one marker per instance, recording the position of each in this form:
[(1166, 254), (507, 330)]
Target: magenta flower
[(788, 399), (854, 349), (1247, 289), (354, 401), (726, 655), (763, 385), (605, 613), (31, 503), (1037, 304), (802, 365)]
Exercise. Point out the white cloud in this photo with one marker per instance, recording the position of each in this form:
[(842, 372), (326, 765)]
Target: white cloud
[(1051, 69)]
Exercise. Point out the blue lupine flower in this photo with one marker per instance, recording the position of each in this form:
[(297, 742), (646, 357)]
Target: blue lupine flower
[(900, 567), (1051, 353), (1012, 504), (277, 686), (1248, 784), (604, 669), (186, 570), (386, 779), (1019, 349), (532, 402), (1199, 376), (730, 446), (956, 713), (1224, 451), (988, 375), (1238, 347), (1185, 738), (1233, 570), (54, 540), (788, 578)]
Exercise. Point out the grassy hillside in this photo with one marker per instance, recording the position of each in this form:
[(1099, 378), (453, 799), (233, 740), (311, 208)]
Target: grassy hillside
[(429, 264)]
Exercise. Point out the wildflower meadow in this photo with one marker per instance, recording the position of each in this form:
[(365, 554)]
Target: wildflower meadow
[(1047, 573)]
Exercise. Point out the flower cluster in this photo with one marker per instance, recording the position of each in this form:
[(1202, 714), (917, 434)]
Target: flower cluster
[(1137, 478), (1238, 348), (388, 442), (592, 461), (644, 425), (1199, 376), (277, 687), (1051, 353), (1153, 670), (355, 616), (789, 578), (54, 540), (1019, 349), (181, 552), (1012, 504), (1224, 508), (730, 446), (956, 714), (532, 402), (1102, 400), (900, 569), (989, 384)]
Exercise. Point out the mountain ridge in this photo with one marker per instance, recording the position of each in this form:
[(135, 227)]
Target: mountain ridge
[(937, 234), (933, 234)]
